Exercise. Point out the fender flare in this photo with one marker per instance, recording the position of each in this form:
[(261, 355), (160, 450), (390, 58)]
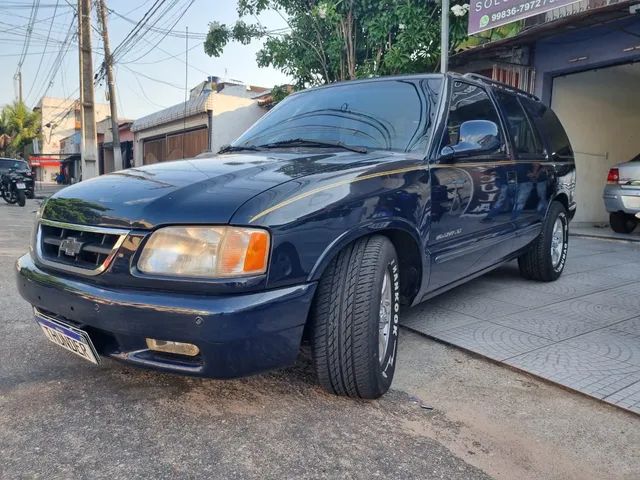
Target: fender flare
[(370, 227)]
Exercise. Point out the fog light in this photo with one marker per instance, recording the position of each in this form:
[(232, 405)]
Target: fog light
[(178, 348)]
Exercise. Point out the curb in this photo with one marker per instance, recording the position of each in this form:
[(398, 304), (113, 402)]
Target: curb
[(604, 237)]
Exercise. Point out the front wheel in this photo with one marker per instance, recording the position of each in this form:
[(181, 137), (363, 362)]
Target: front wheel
[(545, 258), (622, 222), (355, 320), (9, 197)]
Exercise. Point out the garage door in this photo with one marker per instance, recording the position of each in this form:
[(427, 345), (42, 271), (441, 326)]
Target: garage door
[(171, 146), (154, 151)]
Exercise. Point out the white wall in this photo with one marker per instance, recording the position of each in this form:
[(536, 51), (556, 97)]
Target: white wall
[(61, 114), (232, 115), (600, 109)]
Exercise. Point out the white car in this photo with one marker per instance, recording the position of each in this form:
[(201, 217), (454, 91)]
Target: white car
[(622, 196)]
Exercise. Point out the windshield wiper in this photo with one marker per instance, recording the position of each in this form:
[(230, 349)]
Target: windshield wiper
[(297, 142), (239, 148)]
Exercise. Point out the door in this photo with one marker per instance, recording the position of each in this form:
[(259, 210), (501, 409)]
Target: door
[(532, 175), (471, 194)]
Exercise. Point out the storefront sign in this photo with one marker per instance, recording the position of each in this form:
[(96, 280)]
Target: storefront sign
[(36, 161), (488, 14)]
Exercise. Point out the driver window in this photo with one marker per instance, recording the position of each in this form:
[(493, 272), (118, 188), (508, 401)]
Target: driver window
[(469, 102)]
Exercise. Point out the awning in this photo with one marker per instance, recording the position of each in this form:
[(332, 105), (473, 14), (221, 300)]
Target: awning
[(71, 158)]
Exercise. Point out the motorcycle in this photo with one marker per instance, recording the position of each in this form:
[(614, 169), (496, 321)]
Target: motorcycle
[(12, 188)]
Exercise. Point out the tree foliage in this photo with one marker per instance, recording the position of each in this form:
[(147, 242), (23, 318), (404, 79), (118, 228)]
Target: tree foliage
[(18, 127), (332, 40)]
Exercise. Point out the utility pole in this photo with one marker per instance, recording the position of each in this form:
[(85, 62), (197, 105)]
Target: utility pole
[(89, 142), (19, 78), (444, 37), (108, 65)]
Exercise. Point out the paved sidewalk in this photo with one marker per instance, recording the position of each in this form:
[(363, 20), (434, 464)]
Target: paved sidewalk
[(582, 331)]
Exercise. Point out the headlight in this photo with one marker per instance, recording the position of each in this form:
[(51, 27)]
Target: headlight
[(206, 252)]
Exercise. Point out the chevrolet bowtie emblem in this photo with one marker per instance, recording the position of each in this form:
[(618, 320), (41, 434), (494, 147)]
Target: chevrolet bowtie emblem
[(71, 246)]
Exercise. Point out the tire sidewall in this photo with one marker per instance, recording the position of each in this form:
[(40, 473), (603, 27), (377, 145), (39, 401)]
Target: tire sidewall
[(386, 369), (562, 215)]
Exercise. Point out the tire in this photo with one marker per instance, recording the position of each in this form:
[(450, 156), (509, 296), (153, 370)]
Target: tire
[(622, 222), (21, 198), (9, 197), (539, 262), (346, 317)]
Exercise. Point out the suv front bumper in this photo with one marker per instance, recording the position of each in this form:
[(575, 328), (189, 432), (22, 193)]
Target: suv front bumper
[(237, 335)]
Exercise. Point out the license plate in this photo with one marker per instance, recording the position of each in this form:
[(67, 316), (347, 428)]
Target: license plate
[(68, 337), (630, 202), (20, 186)]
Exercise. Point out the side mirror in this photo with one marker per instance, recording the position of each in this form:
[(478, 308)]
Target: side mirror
[(477, 137)]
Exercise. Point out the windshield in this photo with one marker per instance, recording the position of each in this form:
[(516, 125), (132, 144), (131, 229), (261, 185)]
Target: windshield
[(7, 164), (387, 114)]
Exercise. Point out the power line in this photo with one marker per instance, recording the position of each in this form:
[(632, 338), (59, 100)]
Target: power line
[(57, 62), (44, 52), (138, 26), (169, 84), (144, 94), (167, 33), (27, 40)]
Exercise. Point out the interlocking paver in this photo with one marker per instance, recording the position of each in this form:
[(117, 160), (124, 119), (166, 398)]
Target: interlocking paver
[(427, 319), (582, 370), (628, 397), (581, 331), (494, 341)]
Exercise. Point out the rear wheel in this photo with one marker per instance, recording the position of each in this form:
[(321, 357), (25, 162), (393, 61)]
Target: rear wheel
[(622, 222), (546, 257), (21, 198), (355, 320)]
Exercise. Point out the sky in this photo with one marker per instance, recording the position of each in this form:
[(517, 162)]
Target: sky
[(148, 77)]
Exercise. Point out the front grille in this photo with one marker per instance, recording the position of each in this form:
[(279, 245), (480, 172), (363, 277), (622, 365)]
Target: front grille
[(79, 248)]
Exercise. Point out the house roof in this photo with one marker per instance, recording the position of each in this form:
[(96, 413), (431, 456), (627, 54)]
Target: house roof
[(200, 101), (198, 104)]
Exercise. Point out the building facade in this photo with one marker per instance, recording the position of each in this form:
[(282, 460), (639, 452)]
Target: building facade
[(583, 60), (105, 147), (215, 114), (60, 119)]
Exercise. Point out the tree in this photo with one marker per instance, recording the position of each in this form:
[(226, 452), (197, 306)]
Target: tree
[(18, 127), (332, 40)]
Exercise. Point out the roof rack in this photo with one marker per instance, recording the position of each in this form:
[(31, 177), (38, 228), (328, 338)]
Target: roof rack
[(482, 78)]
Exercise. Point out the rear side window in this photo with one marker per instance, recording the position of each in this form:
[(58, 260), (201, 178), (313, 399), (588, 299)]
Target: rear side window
[(468, 102), (525, 139), (550, 127)]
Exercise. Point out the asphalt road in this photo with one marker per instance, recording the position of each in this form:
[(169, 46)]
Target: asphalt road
[(450, 415)]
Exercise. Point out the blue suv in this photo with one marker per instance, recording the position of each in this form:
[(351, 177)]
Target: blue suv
[(341, 205)]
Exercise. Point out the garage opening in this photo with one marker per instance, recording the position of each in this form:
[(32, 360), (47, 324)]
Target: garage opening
[(600, 109)]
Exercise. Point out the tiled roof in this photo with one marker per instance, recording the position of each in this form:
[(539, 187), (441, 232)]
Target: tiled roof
[(198, 104)]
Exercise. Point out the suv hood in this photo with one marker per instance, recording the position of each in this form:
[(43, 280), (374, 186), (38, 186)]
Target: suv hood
[(193, 191)]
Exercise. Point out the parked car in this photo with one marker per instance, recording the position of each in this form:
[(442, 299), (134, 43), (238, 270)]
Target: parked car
[(21, 167), (340, 205), (622, 195)]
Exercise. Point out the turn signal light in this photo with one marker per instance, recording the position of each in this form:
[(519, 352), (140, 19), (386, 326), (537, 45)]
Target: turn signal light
[(614, 175), (178, 348)]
